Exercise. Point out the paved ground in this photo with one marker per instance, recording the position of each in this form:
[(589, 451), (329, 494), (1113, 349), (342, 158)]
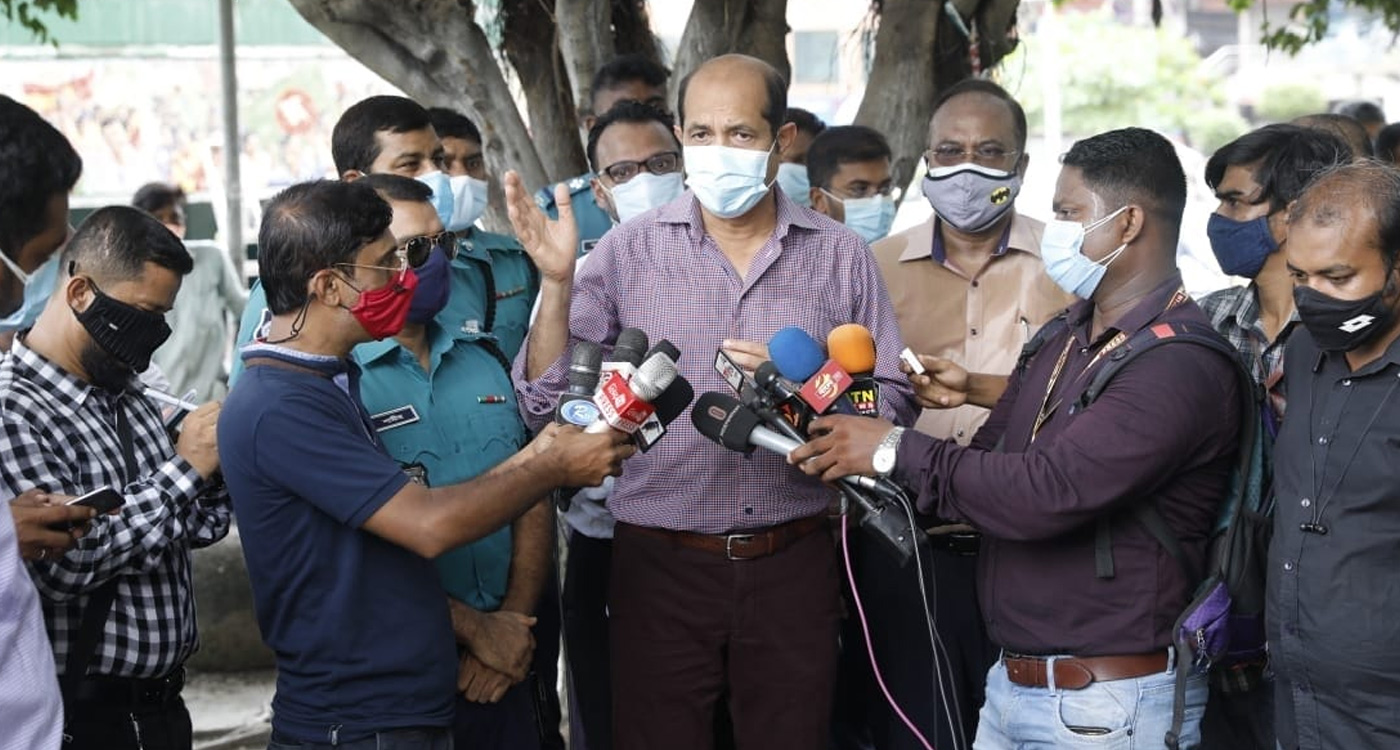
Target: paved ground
[(230, 710)]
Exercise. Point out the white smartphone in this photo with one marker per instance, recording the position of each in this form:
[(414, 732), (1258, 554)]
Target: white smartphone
[(912, 360)]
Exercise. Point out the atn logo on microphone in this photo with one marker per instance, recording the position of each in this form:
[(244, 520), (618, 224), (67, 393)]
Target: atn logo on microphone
[(1357, 323), (865, 400)]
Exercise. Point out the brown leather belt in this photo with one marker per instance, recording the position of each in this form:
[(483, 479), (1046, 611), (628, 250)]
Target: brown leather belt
[(1076, 674), (747, 545)]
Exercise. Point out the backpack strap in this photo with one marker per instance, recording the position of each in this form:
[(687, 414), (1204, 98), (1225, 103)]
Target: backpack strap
[(1145, 512)]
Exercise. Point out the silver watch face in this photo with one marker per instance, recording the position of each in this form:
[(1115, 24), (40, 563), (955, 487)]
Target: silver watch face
[(883, 459)]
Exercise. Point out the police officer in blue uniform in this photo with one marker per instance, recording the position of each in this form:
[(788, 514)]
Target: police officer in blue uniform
[(443, 405), (631, 77)]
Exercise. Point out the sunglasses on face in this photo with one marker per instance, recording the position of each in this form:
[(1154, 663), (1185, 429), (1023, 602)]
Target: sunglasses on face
[(417, 250)]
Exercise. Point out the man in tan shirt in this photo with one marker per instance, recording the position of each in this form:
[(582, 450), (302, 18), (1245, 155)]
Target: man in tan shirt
[(967, 285)]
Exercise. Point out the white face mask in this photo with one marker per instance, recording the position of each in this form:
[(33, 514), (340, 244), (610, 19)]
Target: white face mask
[(727, 181), (1061, 249), (469, 198), (645, 192), (38, 287), (871, 218), (442, 193), (792, 178)]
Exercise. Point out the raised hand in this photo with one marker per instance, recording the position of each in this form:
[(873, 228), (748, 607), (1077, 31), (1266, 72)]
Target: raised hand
[(551, 244)]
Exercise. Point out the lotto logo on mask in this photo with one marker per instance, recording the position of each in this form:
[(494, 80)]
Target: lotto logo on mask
[(1000, 195), (1357, 323)]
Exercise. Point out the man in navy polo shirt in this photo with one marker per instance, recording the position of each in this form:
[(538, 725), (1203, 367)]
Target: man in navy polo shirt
[(338, 541)]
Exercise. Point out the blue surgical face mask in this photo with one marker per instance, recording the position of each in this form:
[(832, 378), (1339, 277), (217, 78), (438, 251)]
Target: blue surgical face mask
[(871, 218), (442, 199), (1240, 246), (792, 178), (1068, 267), (469, 198), (727, 181), (38, 287), (645, 192)]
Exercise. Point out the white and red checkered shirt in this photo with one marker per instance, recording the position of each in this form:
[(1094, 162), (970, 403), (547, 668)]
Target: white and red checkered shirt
[(663, 274)]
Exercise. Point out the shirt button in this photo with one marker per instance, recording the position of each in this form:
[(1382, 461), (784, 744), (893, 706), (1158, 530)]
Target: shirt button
[(748, 511), (1307, 503), (1288, 565), (961, 433), (975, 284), (1347, 382), (1322, 440), (974, 332)]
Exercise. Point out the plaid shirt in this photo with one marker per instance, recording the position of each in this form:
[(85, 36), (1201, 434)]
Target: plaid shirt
[(1234, 311), (664, 274), (59, 434)]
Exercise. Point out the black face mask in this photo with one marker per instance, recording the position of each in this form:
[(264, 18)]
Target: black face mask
[(127, 333), (1341, 325), (103, 370)]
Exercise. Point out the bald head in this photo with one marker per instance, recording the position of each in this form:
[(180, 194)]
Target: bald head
[(740, 79), (1352, 194), (1343, 127)]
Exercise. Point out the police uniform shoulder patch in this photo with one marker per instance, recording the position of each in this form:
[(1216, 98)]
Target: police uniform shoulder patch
[(577, 184)]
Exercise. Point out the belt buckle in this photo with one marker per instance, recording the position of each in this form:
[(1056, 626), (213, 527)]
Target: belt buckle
[(729, 540)]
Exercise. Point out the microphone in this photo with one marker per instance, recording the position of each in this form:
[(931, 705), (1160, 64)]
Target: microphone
[(800, 358), (628, 352), (625, 404), (664, 347), (725, 421), (576, 404), (853, 348), (668, 405), (783, 399)]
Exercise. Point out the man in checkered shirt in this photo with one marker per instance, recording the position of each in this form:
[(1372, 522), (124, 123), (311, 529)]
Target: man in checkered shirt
[(71, 421)]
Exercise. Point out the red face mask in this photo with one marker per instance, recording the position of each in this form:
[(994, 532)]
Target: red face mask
[(383, 311)]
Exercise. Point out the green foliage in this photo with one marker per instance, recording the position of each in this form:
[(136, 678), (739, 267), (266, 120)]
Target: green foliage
[(1215, 128), (24, 12), (1281, 102), (1113, 76)]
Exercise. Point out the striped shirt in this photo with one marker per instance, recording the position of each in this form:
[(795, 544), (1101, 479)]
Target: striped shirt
[(59, 434), (663, 274)]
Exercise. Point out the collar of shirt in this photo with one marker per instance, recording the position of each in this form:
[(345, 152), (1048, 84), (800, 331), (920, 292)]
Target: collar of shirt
[(1160, 299), (1391, 356), (1239, 307), (1019, 235), (374, 353), (62, 383), (686, 210)]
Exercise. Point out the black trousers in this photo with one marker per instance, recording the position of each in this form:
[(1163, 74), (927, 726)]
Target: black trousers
[(899, 632), (107, 725), (586, 636)]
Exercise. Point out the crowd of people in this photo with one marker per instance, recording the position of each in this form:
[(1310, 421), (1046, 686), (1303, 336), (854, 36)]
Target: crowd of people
[(394, 454)]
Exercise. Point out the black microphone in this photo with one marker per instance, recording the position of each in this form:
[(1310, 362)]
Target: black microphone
[(664, 347), (576, 404), (628, 352), (668, 405), (729, 423), (785, 399)]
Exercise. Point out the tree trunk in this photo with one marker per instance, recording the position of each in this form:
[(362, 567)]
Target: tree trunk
[(532, 48), (717, 27), (632, 34), (586, 41), (434, 52)]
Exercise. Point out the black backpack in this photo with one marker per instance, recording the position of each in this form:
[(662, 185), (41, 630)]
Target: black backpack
[(1223, 625)]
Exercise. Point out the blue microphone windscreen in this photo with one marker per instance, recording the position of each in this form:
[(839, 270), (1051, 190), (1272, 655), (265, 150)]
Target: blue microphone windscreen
[(795, 353)]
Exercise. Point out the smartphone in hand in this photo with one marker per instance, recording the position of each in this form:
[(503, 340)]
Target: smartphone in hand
[(104, 500)]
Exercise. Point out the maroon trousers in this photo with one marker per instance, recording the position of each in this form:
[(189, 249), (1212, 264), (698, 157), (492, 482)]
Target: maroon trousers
[(690, 626)]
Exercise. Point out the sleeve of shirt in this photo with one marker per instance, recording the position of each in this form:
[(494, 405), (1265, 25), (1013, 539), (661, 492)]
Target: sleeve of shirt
[(207, 519), (314, 454), (132, 541), (592, 317), (874, 310), (1155, 419), (992, 430)]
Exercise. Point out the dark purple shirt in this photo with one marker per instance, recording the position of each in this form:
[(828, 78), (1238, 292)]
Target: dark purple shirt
[(1164, 430)]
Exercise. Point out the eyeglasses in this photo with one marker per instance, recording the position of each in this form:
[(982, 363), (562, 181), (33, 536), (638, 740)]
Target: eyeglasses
[(399, 269), (416, 250), (950, 156), (869, 191), (659, 164)]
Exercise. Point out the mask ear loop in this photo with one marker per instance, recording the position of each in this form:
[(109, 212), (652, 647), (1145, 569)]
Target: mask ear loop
[(297, 323)]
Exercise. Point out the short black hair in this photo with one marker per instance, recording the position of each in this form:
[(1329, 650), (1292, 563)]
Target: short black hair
[(627, 111), (987, 88), (1343, 127), (115, 244), (396, 187), (1386, 141), (1288, 156), (1364, 112), (776, 108), (805, 121), (1133, 165), (846, 144), (626, 69), (36, 163), (154, 196), (313, 226), (450, 123), (353, 141), (1376, 186)]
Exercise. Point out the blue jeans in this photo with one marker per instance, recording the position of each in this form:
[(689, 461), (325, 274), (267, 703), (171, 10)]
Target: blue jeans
[(1129, 714), (394, 739)]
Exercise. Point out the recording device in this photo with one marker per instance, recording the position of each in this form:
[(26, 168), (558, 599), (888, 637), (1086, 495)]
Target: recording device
[(729, 423), (576, 404), (912, 359), (668, 405), (783, 398), (104, 500), (626, 404), (853, 348), (628, 353), (664, 347), (800, 358), (731, 372)]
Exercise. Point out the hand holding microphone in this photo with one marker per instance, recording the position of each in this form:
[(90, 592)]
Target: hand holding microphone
[(582, 459)]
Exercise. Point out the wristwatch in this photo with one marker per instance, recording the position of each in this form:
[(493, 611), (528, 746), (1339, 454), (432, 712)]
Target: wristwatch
[(886, 451)]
